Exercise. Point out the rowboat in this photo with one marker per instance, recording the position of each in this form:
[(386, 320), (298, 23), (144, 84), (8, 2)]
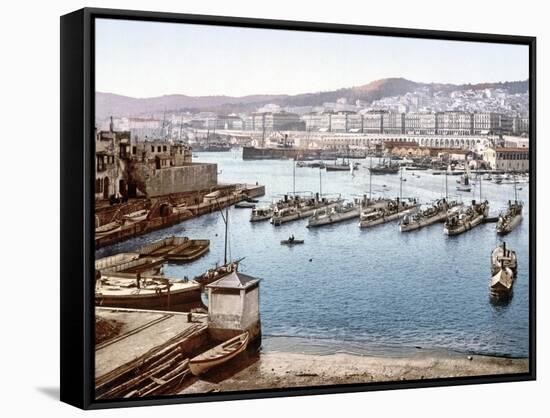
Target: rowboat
[(219, 355), (180, 249), (138, 215), (292, 242), (109, 227), (245, 205), (190, 251)]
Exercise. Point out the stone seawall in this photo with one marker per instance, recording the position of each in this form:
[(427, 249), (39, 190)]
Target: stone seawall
[(190, 177)]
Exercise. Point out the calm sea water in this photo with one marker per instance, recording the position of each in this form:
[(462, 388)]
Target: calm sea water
[(374, 290)]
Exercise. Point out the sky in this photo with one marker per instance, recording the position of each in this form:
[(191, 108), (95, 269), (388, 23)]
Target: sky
[(149, 59)]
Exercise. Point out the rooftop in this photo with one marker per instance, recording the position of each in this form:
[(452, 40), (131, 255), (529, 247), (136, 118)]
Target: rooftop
[(513, 149), (234, 280)]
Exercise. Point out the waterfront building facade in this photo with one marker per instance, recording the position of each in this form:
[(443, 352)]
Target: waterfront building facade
[(507, 159), (274, 121), (110, 173)]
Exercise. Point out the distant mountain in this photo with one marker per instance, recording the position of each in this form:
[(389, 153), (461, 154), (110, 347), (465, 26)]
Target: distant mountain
[(113, 104)]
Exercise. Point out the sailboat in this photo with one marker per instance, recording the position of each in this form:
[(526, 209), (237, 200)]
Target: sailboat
[(464, 181), (384, 168), (217, 272)]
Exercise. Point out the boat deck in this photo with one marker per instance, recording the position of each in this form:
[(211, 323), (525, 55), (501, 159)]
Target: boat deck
[(121, 286)]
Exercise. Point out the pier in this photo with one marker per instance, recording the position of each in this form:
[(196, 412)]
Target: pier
[(152, 352), (164, 212)]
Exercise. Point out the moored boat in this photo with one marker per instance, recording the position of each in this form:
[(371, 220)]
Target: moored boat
[(108, 227), (219, 355), (511, 218), (391, 212), (435, 213), (339, 213), (181, 249), (466, 219), (136, 216), (146, 292), (303, 210), (384, 169), (502, 283), (245, 205), (261, 214), (502, 256), (192, 250), (342, 166), (216, 273)]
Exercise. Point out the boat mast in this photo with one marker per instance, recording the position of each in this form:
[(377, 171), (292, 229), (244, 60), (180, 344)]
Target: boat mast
[(320, 185), (225, 243), (515, 188), (294, 177), (480, 181), (446, 186), (370, 179), (401, 184)]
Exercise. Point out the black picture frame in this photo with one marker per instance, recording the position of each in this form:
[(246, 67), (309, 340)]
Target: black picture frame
[(77, 197)]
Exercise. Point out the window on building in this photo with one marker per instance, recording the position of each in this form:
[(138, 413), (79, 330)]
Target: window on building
[(158, 148), (152, 148), (97, 185), (134, 150), (164, 148)]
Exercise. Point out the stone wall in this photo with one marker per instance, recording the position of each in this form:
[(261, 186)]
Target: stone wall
[(186, 178)]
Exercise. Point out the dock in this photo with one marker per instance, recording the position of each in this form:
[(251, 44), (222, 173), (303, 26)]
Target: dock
[(163, 214), (142, 350)]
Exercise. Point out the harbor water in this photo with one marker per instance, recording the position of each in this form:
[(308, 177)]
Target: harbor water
[(373, 290)]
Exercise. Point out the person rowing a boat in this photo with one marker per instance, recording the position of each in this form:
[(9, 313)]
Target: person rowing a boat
[(291, 238)]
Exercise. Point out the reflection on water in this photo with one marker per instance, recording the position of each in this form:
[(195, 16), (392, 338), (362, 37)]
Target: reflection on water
[(375, 288)]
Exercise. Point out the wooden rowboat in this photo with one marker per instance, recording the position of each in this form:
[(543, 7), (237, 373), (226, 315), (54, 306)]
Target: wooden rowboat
[(109, 227), (293, 242), (176, 249), (219, 355), (245, 205), (190, 251)]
